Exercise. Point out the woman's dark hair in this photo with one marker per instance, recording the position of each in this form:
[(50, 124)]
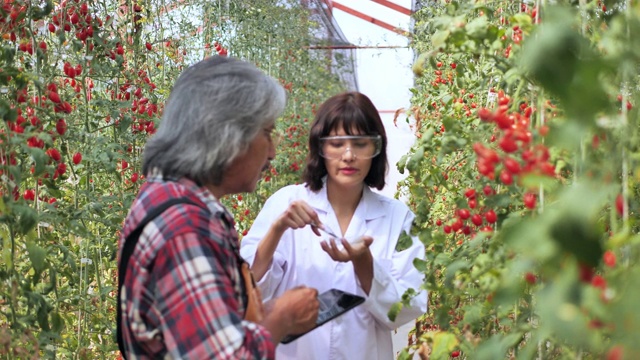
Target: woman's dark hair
[(354, 112)]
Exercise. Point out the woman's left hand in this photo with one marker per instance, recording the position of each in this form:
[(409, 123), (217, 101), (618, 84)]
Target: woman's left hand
[(350, 252)]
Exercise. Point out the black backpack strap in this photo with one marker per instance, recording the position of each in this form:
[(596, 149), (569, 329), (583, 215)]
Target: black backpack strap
[(130, 243)]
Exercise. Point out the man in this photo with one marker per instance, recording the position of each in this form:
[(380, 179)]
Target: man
[(184, 295)]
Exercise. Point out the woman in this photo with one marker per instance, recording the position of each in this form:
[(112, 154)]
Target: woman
[(347, 157), (183, 294)]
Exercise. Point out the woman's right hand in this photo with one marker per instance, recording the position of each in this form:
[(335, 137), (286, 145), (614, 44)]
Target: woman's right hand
[(298, 215)]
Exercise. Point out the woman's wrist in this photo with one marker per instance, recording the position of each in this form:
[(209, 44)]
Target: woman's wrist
[(364, 260), (278, 228), (363, 267)]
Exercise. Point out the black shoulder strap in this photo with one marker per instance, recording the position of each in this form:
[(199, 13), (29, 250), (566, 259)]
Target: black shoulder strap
[(129, 245)]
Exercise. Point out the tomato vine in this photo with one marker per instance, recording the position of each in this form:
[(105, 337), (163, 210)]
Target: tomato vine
[(523, 178)]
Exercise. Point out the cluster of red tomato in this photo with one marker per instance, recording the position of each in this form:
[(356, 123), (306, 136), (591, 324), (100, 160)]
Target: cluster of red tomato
[(20, 124), (519, 155), (460, 224), (75, 14), (515, 157), (141, 108), (67, 17), (219, 49)]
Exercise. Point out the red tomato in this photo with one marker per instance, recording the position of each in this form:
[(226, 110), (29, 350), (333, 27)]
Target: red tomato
[(529, 200), (491, 216), (77, 158)]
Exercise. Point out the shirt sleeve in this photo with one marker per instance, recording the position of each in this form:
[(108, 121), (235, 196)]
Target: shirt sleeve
[(392, 277), (272, 279), (197, 286)]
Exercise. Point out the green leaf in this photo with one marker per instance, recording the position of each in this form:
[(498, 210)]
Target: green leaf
[(57, 322), (420, 265), (404, 355), (418, 66), (43, 315), (394, 311), (415, 159), (442, 259), (401, 164), (27, 218), (562, 61), (530, 237), (6, 246), (10, 114), (473, 314), (577, 235), (443, 344), (404, 241), (559, 305), (40, 159), (439, 38), (521, 19), (453, 268), (477, 27), (52, 281), (37, 255), (496, 346)]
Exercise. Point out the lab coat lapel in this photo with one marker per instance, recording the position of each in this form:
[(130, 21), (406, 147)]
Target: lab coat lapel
[(368, 209)]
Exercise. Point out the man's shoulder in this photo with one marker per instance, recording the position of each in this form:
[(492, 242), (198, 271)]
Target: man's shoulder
[(179, 206)]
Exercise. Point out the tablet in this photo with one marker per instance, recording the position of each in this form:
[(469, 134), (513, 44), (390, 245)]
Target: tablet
[(333, 303)]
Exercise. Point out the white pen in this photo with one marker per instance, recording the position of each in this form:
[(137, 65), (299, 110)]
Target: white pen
[(330, 233), (326, 231)]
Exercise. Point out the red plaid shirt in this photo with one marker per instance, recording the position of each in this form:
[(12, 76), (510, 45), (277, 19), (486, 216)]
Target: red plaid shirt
[(183, 296)]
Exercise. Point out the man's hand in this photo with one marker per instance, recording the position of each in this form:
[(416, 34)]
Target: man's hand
[(302, 305), (295, 312)]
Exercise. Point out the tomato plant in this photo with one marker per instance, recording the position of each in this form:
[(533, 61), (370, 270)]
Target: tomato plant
[(538, 105), (82, 86)]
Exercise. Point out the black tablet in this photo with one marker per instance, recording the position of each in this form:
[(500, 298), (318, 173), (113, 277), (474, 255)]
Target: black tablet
[(333, 303)]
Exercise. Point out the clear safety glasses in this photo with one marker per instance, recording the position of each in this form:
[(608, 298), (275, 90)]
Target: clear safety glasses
[(361, 147)]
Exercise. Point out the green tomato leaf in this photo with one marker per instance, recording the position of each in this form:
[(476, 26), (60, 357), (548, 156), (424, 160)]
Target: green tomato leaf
[(404, 241), (404, 355), (394, 311), (420, 265), (443, 344), (6, 246), (57, 322), (39, 158), (37, 255), (439, 39), (477, 28), (27, 218), (43, 315)]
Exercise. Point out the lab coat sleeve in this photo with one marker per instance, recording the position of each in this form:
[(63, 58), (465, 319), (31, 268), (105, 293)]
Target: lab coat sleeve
[(273, 207), (392, 277)]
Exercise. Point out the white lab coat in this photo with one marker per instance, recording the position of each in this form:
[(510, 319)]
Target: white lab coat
[(364, 332)]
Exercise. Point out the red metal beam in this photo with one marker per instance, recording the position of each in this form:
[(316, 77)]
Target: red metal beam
[(393, 6), (370, 19)]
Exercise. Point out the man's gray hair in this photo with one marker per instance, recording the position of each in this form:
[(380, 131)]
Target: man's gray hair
[(216, 108)]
